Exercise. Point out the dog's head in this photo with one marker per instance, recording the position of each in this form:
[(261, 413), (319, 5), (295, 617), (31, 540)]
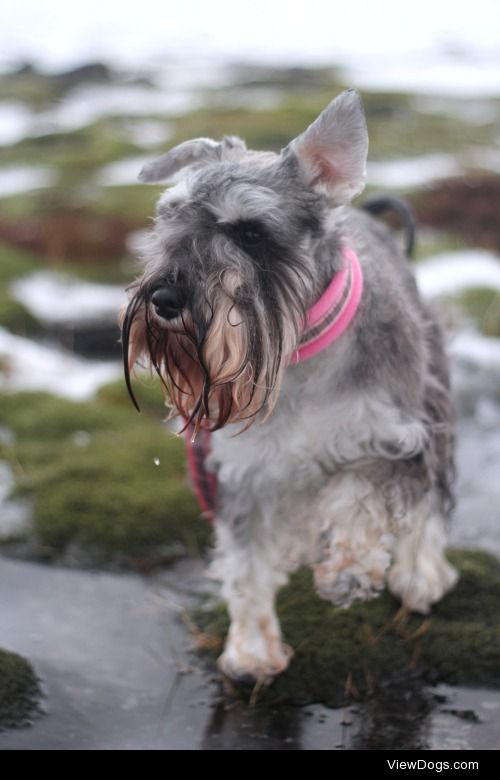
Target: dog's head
[(234, 261)]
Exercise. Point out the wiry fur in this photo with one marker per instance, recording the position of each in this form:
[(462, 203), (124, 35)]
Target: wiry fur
[(348, 466)]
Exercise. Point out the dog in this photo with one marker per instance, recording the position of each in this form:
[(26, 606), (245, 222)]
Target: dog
[(288, 332)]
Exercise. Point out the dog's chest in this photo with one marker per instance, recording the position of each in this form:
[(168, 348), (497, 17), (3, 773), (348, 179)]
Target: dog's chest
[(300, 446)]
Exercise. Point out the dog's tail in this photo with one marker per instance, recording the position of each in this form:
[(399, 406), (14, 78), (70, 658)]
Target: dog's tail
[(381, 204)]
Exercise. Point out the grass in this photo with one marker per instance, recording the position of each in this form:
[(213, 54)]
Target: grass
[(19, 691), (346, 654), (90, 470)]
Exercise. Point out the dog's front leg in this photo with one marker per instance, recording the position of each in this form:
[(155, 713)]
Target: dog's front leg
[(246, 563)]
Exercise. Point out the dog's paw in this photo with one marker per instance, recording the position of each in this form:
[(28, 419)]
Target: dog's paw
[(344, 580), (245, 667), (421, 586), (345, 587)]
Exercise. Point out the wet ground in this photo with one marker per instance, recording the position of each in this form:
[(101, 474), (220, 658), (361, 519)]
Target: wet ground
[(116, 661), (114, 657)]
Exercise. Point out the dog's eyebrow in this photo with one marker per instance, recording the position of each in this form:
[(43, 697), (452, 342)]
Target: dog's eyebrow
[(247, 201)]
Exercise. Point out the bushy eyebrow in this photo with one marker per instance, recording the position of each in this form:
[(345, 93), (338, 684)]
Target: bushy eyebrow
[(245, 202)]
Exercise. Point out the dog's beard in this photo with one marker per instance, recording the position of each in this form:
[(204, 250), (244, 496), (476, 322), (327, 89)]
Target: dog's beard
[(218, 366)]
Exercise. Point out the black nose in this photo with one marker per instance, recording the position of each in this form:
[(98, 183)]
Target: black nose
[(169, 301)]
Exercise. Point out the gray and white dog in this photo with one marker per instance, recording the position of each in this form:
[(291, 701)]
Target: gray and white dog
[(341, 459)]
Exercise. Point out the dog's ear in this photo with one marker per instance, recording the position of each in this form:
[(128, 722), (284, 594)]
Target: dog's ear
[(197, 152), (332, 151)]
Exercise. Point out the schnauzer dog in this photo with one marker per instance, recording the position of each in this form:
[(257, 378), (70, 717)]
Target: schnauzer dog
[(290, 337)]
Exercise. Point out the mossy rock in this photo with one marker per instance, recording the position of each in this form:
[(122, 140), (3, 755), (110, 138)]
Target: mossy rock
[(19, 691), (346, 654), (103, 480)]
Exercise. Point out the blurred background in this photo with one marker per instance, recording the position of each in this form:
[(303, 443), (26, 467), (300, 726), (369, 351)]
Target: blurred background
[(85, 99)]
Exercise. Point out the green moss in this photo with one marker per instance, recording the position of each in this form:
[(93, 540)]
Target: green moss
[(15, 263), (19, 691), (396, 128), (41, 417), (136, 201), (102, 477), (267, 129), (15, 317), (436, 243), (72, 152), (483, 305), (345, 653), (147, 390)]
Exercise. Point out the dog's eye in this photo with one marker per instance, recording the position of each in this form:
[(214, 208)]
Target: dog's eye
[(249, 233), (251, 236)]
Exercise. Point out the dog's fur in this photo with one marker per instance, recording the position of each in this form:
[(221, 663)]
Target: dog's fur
[(344, 461)]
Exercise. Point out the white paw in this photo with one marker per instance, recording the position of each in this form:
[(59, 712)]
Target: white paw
[(256, 657), (424, 584), (347, 586)]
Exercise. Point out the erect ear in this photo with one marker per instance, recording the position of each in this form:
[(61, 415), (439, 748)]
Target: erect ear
[(332, 151), (199, 151)]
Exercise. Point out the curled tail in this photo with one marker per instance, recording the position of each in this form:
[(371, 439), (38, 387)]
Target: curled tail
[(380, 204)]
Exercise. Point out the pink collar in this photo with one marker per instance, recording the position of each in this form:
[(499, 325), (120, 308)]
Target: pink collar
[(333, 312)]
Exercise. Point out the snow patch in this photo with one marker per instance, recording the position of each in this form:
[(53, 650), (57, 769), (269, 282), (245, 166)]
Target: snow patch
[(453, 272), (27, 365), (57, 298), (21, 178), (149, 132), (15, 122), (85, 105), (408, 173), (428, 73), (122, 172)]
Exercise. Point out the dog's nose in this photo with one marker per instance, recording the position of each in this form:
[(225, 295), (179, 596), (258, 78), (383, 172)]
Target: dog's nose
[(169, 301)]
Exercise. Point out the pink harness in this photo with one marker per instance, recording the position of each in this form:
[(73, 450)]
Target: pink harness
[(326, 322)]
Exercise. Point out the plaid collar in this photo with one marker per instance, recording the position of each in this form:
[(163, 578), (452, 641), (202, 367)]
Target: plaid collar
[(334, 311)]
